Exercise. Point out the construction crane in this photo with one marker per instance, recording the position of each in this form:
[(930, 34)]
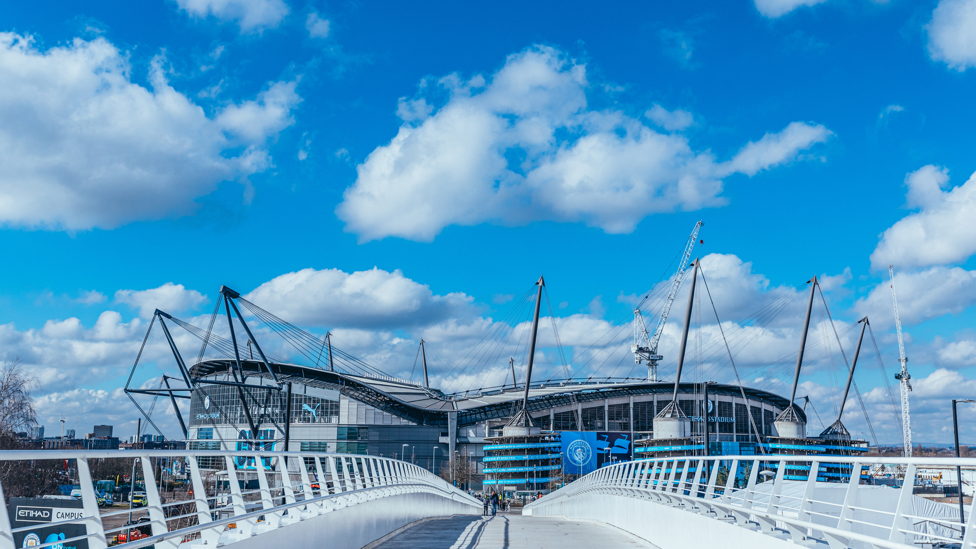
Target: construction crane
[(645, 346), (902, 376)]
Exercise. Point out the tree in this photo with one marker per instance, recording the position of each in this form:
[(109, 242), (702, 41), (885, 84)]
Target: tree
[(16, 404), (462, 470), (17, 414)]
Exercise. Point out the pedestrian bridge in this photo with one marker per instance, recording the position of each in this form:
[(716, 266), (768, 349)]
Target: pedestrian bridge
[(299, 499)]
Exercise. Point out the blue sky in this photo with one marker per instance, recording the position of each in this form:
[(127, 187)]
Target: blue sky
[(154, 151)]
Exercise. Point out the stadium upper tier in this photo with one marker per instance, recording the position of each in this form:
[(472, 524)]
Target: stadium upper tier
[(428, 406)]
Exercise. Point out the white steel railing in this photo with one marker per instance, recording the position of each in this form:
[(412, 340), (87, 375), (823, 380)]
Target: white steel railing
[(220, 506), (777, 495)]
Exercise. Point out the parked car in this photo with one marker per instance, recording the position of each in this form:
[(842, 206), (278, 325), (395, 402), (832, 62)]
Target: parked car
[(139, 499), (103, 499), (76, 493), (141, 529)]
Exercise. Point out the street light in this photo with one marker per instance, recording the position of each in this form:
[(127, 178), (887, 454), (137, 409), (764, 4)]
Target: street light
[(434, 452), (955, 432), (404, 453)]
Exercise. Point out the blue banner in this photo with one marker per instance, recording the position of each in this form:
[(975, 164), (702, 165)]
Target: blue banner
[(520, 446), (579, 453), (585, 452), (522, 469)]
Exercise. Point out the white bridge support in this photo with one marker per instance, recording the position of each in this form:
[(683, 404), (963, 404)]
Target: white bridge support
[(765, 502), (313, 500)]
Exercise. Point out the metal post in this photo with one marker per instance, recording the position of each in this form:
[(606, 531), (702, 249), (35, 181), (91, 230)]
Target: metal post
[(423, 353), (511, 362), (705, 409), (328, 341), (179, 416), (535, 331), (850, 376), (287, 421), (955, 432), (684, 333), (237, 356), (803, 339)]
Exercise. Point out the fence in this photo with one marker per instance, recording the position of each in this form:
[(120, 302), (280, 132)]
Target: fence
[(247, 494), (803, 499)]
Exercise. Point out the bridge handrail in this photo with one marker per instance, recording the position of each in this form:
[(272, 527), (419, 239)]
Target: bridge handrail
[(693, 483), (342, 479)]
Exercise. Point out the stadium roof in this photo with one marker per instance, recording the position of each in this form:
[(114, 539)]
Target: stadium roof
[(430, 406)]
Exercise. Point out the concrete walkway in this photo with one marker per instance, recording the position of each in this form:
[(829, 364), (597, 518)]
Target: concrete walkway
[(510, 532)]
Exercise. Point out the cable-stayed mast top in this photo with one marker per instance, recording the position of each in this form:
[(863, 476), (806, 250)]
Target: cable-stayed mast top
[(645, 347), (902, 376)]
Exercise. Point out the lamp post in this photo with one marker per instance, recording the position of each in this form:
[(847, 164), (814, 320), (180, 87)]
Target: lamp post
[(403, 454), (434, 452), (955, 432)]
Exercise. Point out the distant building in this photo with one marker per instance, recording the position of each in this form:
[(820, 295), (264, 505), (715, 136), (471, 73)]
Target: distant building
[(70, 433), (102, 431)]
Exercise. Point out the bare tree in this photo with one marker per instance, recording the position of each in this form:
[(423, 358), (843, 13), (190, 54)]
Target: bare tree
[(17, 414), (16, 404), (461, 470)]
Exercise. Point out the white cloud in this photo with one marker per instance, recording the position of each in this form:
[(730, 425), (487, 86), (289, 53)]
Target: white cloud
[(316, 26), (940, 232), (675, 120), (885, 112), (958, 353), (171, 298), (779, 8), (951, 36), (777, 148), (362, 299), (835, 282), (81, 146), (524, 147), (251, 15), (922, 296), (90, 297), (254, 121)]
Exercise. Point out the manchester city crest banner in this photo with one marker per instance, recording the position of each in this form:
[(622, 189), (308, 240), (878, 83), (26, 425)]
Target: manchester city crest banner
[(579, 454), (584, 452)]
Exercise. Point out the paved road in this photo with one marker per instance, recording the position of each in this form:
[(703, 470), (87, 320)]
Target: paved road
[(510, 532)]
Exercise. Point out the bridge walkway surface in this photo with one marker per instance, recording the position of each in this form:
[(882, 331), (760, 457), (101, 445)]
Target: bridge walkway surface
[(511, 531)]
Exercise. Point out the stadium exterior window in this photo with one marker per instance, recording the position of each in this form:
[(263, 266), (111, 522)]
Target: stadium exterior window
[(593, 418), (644, 416), (725, 410), (205, 433), (757, 416), (619, 417), (741, 420), (565, 421)]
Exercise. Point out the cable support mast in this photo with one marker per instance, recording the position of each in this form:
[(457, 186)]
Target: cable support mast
[(645, 346), (903, 376)]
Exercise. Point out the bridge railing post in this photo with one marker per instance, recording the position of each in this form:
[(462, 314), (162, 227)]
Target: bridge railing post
[(233, 484), (90, 506), (154, 504), (200, 502), (900, 522), (271, 519)]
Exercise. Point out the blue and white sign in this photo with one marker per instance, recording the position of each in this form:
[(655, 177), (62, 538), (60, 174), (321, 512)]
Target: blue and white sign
[(579, 456)]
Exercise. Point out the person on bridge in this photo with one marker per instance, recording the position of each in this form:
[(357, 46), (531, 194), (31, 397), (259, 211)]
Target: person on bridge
[(494, 503), (487, 502)]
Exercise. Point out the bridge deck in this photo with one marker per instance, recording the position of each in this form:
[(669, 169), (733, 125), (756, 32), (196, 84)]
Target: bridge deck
[(510, 531)]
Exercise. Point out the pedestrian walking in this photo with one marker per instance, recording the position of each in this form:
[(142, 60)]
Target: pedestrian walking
[(487, 501), (494, 503)]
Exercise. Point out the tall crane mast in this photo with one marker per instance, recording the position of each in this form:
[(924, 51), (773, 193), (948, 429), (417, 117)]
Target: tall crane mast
[(902, 376), (645, 346)]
